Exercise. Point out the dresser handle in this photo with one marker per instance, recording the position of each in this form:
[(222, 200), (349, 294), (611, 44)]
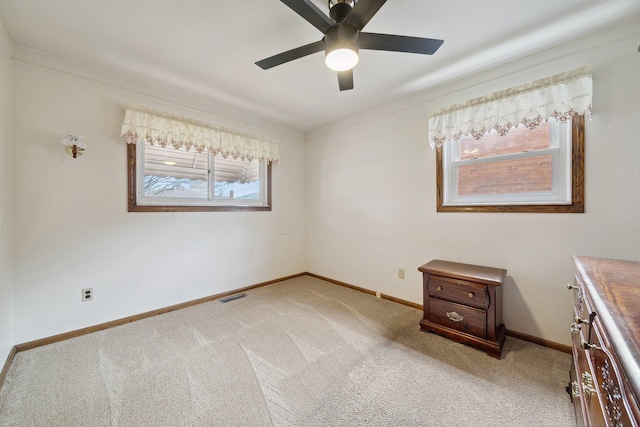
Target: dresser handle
[(575, 390), (454, 316), (439, 288), (578, 320), (470, 294), (588, 346), (570, 286)]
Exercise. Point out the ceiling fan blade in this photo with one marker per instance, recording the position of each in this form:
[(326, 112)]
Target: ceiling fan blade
[(345, 79), (390, 42), (290, 55), (310, 13), (362, 12)]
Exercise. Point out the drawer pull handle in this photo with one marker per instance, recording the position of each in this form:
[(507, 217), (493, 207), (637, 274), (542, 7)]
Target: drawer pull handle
[(439, 288), (578, 320), (470, 294), (588, 346), (454, 316), (570, 286)]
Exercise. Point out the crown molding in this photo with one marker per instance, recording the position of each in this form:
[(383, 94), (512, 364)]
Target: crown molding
[(245, 118)]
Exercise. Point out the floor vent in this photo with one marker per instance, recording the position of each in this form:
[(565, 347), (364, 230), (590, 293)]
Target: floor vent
[(232, 298)]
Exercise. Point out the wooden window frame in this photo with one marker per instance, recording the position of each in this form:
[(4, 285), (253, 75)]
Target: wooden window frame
[(133, 206), (577, 182)]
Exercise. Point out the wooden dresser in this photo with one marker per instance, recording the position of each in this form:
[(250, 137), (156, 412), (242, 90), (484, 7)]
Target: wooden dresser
[(464, 303), (605, 374)]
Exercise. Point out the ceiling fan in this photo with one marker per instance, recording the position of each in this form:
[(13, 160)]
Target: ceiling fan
[(343, 37)]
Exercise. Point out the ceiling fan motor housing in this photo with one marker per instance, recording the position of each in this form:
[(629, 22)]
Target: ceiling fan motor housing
[(339, 9)]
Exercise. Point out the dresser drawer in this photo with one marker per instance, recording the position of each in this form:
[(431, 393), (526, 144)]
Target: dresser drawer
[(581, 326), (459, 291), (583, 313), (584, 393), (611, 391), (459, 317), (574, 391), (618, 404), (579, 301)]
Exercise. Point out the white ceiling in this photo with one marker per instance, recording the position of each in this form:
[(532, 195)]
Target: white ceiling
[(208, 47)]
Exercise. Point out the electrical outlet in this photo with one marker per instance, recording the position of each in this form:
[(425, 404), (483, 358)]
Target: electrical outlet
[(87, 294), (400, 273)]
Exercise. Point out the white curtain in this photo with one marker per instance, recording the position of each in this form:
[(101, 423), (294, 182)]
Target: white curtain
[(560, 96), (166, 130)]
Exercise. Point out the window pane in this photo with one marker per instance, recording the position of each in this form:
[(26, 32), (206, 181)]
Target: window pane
[(516, 141), (542, 172), (170, 172), (236, 179), (529, 175)]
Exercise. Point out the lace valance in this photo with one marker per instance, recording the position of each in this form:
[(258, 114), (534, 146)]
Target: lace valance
[(560, 96), (166, 130)]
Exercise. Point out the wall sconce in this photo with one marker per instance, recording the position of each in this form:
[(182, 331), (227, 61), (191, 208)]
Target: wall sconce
[(75, 145)]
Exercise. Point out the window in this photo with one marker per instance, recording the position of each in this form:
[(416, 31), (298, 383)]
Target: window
[(178, 164), (167, 179), (516, 150), (526, 170)]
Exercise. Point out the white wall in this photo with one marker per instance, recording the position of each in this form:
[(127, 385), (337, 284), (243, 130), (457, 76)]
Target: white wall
[(372, 206), (361, 206), (6, 201), (72, 228)]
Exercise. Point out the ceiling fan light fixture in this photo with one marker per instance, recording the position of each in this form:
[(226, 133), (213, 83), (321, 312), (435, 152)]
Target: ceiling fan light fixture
[(341, 59), (341, 47)]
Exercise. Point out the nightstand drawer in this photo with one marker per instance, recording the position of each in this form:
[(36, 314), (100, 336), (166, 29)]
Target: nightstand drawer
[(459, 291), (459, 317)]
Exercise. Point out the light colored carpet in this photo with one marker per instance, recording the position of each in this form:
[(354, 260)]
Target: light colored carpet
[(297, 353)]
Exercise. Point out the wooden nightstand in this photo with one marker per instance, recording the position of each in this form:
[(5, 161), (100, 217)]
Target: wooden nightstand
[(464, 303)]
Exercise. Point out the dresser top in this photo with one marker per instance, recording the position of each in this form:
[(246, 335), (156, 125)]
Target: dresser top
[(614, 287), (478, 273)]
